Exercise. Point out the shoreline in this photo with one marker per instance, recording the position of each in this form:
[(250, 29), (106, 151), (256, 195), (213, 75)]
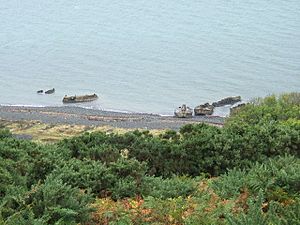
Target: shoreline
[(73, 115)]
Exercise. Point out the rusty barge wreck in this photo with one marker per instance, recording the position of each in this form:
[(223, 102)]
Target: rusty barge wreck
[(79, 98)]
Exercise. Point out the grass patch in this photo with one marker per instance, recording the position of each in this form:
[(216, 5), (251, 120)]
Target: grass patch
[(49, 133)]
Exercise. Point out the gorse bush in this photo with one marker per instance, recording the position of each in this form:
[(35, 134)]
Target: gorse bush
[(205, 149), (50, 203), (273, 175), (128, 177), (85, 174)]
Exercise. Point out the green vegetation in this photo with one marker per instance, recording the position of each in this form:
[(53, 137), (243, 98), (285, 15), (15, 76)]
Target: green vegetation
[(247, 172)]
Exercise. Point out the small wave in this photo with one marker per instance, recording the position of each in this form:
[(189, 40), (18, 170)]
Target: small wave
[(25, 105)]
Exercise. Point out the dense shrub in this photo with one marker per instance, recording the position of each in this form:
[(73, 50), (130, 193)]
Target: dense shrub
[(119, 179), (85, 174), (174, 187), (50, 203), (281, 108), (279, 178), (55, 201), (128, 177)]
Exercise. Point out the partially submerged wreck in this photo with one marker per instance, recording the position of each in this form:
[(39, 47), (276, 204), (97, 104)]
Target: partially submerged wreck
[(227, 101), (183, 112), (51, 91), (79, 98)]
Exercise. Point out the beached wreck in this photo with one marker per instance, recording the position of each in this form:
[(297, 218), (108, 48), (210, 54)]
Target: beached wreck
[(79, 98), (183, 112), (205, 109)]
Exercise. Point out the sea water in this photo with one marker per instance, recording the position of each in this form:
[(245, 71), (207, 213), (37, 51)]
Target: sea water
[(147, 56)]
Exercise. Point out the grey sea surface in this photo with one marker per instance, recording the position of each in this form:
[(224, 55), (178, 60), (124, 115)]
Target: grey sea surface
[(147, 56)]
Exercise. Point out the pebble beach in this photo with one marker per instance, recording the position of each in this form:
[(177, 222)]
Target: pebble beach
[(89, 117)]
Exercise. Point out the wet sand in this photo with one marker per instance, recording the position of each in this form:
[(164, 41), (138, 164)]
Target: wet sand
[(90, 117)]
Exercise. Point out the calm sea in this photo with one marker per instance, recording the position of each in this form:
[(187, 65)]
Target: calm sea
[(147, 56)]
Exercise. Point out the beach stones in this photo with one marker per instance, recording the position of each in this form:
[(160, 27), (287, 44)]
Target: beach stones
[(227, 101), (183, 112), (205, 109)]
